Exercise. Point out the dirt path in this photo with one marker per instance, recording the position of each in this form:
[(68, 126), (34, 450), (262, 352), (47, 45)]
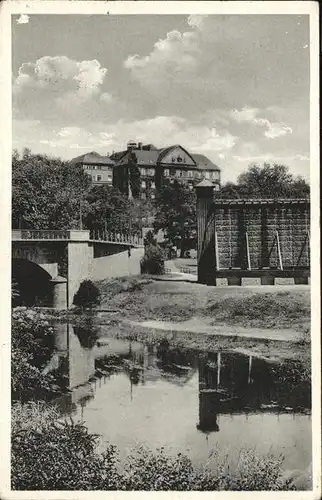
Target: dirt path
[(201, 326)]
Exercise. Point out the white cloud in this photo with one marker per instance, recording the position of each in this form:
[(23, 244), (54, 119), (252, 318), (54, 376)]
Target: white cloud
[(250, 115), (196, 21), (74, 132), (60, 74), (23, 19), (271, 157), (172, 59), (245, 114), (276, 129)]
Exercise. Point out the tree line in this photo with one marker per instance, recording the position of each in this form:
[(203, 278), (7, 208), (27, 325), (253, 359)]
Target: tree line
[(48, 193)]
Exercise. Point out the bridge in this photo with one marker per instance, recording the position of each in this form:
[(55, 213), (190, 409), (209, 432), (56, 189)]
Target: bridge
[(49, 265)]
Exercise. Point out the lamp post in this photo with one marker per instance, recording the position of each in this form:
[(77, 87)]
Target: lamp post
[(80, 215)]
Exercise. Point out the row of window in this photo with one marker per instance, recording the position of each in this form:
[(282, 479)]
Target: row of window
[(144, 196), (144, 184), (96, 167), (147, 171), (99, 178), (193, 174)]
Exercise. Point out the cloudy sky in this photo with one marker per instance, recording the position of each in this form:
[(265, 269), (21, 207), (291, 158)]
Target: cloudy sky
[(235, 88)]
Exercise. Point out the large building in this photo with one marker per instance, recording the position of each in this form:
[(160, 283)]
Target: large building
[(99, 168), (141, 170), (159, 166)]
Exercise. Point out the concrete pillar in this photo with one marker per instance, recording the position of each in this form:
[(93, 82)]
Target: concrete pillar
[(59, 285), (79, 265), (234, 281), (218, 368), (267, 280), (206, 233), (301, 280), (61, 336)]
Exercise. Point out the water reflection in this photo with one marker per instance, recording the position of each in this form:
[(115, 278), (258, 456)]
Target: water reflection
[(134, 393), (227, 382)]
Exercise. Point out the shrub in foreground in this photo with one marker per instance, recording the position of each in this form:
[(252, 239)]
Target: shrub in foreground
[(153, 260), (52, 455), (87, 296), (32, 345)]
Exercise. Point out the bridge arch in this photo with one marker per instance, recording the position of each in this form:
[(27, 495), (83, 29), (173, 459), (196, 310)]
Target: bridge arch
[(32, 282)]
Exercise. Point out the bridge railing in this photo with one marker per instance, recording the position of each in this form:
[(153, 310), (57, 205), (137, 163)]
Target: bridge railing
[(76, 235), (39, 234), (109, 236)]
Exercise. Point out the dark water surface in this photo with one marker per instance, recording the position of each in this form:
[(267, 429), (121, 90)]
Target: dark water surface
[(185, 401)]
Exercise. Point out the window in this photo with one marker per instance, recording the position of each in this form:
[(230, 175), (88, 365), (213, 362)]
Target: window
[(166, 172), (207, 175), (179, 159), (143, 171), (152, 196), (216, 175), (143, 196), (150, 171), (189, 173), (173, 159), (143, 184), (98, 177), (217, 187), (152, 185)]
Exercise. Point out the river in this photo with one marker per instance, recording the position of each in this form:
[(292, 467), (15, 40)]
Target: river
[(186, 401)]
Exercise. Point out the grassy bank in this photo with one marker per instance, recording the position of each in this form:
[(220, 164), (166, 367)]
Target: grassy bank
[(259, 307)]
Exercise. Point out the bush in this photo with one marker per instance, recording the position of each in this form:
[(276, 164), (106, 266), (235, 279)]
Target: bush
[(52, 455), (32, 346), (153, 260), (88, 295), (32, 334)]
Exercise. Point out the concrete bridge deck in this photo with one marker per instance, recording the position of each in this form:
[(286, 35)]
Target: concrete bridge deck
[(77, 235)]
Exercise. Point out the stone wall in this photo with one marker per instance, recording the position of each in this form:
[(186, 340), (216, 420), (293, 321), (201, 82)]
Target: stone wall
[(265, 225), (117, 265)]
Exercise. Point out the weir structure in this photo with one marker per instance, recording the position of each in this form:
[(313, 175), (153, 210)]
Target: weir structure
[(49, 265), (252, 238)]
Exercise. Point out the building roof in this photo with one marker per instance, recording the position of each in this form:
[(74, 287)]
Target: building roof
[(148, 156), (203, 162), (152, 156), (93, 158)]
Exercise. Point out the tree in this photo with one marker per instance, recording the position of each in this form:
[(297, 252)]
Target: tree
[(108, 210), (47, 192), (176, 215), (134, 176), (267, 181)]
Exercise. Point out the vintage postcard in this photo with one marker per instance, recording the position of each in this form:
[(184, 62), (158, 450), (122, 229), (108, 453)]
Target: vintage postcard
[(160, 249)]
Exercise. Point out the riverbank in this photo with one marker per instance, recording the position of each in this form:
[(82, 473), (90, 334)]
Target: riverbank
[(265, 307), (271, 321)]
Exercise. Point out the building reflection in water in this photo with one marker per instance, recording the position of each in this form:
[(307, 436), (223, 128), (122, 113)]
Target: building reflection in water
[(74, 365), (231, 383), (228, 383)]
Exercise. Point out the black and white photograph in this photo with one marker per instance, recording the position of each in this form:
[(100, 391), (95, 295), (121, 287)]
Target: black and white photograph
[(161, 201)]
